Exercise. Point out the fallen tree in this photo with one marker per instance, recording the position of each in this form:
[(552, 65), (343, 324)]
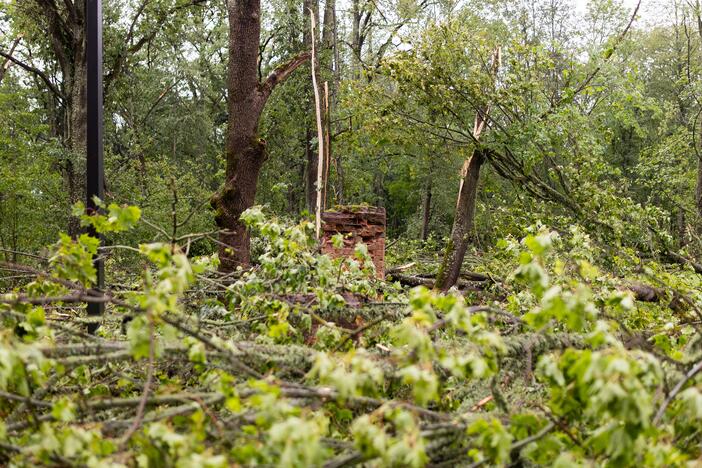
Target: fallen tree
[(216, 373)]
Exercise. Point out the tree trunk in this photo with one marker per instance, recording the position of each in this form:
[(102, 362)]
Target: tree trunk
[(326, 123), (698, 188), (245, 153), (66, 35), (328, 28), (463, 223), (464, 219), (355, 38), (680, 228), (74, 175), (339, 180), (310, 153), (330, 65)]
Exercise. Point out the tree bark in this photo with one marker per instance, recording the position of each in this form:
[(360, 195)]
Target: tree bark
[(463, 223), (330, 65), (68, 43), (245, 153), (328, 27)]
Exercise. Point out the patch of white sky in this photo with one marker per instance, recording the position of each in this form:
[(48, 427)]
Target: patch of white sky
[(651, 12)]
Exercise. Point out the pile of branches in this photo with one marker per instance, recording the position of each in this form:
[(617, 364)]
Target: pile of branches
[(304, 361)]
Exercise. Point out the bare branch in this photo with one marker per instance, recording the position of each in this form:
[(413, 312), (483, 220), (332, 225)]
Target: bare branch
[(280, 74), (35, 71), (6, 65)]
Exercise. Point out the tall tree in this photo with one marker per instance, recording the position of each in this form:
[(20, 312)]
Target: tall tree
[(60, 27), (698, 188), (245, 152)]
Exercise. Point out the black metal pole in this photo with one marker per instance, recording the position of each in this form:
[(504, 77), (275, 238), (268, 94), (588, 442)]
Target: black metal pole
[(95, 168)]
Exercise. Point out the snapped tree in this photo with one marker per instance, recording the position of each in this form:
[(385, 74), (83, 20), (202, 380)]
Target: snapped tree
[(464, 218)]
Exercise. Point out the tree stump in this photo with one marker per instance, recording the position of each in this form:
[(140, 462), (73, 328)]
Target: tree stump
[(357, 224)]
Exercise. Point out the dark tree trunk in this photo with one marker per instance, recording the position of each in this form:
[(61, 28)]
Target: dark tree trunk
[(245, 152), (680, 228), (698, 188), (356, 15), (339, 181), (78, 136), (294, 195), (463, 223), (328, 29), (67, 37), (330, 65)]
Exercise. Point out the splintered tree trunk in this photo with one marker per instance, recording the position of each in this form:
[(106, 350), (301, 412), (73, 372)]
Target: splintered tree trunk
[(464, 218), (245, 152), (320, 135), (310, 153), (463, 223)]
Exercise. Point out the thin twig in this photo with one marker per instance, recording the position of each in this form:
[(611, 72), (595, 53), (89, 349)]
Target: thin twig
[(674, 392)]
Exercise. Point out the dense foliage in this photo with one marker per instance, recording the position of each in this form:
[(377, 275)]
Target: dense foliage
[(556, 362), (572, 336)]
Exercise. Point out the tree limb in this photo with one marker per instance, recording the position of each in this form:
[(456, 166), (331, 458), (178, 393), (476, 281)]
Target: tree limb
[(35, 71), (6, 64), (673, 393), (280, 74)]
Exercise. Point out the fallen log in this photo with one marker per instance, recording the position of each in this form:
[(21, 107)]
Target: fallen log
[(417, 280), (681, 260), (646, 293), (466, 275), (400, 268)]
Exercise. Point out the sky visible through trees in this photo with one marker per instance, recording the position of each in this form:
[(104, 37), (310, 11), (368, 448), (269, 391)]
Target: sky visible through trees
[(345, 233)]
